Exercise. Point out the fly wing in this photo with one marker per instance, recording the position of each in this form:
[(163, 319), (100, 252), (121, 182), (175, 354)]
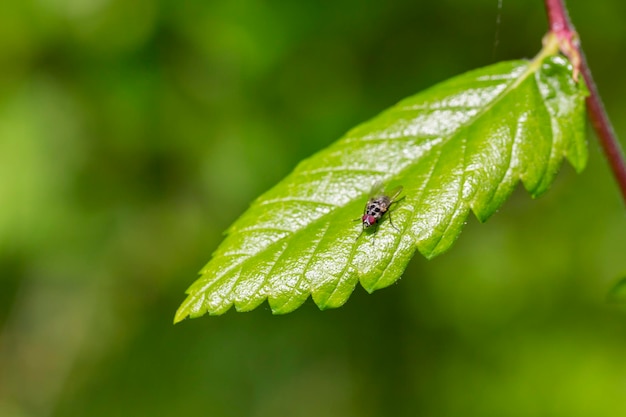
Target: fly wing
[(377, 190), (393, 194)]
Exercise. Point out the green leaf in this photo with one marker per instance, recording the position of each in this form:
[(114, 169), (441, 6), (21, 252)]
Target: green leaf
[(461, 145)]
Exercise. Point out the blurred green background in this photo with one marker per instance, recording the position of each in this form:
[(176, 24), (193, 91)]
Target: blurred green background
[(133, 133)]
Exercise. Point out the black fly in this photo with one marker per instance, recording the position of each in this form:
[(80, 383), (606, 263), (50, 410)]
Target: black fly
[(377, 206)]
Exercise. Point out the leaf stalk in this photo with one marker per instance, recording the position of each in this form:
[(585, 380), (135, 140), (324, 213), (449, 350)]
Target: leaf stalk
[(561, 27)]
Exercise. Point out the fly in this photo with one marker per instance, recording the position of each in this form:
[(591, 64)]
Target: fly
[(376, 207)]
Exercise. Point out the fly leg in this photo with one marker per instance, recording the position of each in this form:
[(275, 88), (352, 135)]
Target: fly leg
[(362, 230), (391, 222), (392, 203)]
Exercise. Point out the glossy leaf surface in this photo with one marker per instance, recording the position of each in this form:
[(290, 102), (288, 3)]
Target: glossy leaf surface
[(461, 145)]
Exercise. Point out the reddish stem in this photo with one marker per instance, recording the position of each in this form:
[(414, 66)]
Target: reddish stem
[(562, 28)]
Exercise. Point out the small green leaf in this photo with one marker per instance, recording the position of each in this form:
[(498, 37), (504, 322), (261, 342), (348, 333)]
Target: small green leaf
[(461, 145)]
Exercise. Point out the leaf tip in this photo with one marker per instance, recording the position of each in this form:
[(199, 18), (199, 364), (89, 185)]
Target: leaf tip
[(192, 307), (184, 310), (285, 305), (181, 314)]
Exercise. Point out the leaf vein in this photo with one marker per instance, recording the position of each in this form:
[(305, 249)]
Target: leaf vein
[(295, 200), (308, 262), (261, 288), (510, 164), (459, 199), (264, 229), (375, 138), (393, 255), (346, 170)]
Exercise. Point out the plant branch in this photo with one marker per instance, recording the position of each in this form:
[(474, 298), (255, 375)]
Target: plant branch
[(562, 28)]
